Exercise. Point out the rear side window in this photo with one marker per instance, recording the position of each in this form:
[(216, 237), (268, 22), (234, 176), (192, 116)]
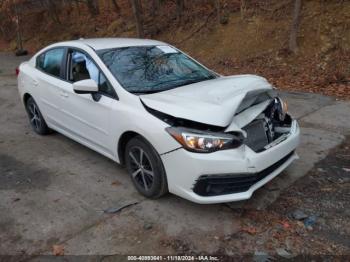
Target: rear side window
[(51, 61)]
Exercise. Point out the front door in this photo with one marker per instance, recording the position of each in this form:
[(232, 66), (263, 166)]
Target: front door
[(87, 116)]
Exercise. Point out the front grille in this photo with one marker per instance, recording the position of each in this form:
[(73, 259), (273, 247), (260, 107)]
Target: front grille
[(214, 185)]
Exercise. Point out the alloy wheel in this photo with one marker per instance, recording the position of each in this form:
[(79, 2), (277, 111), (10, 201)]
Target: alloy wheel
[(141, 167), (34, 116)]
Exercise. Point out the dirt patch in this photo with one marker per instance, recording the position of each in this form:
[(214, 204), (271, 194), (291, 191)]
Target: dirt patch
[(20, 176)]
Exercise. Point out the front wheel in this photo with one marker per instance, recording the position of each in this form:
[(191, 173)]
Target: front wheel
[(145, 168)]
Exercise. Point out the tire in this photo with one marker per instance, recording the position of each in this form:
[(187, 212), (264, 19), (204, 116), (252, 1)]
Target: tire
[(148, 177), (21, 52), (36, 120)]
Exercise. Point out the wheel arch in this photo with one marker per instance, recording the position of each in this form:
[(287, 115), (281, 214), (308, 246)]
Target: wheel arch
[(26, 96), (123, 140)]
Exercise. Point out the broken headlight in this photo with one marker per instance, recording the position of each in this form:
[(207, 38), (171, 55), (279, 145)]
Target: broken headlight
[(205, 141), (280, 108)]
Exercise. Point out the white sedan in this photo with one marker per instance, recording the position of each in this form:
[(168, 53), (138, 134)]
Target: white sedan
[(176, 125)]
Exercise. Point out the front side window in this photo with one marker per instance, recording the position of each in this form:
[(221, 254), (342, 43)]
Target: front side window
[(150, 69), (82, 67), (51, 61)]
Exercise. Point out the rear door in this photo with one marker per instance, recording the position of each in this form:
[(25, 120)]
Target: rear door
[(87, 116), (48, 81)]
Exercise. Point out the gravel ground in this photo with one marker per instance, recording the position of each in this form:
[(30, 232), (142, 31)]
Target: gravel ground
[(53, 193), (311, 217)]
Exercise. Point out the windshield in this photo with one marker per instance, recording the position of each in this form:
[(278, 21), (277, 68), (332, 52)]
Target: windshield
[(150, 69)]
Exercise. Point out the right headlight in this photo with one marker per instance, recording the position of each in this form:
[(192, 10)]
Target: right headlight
[(203, 141)]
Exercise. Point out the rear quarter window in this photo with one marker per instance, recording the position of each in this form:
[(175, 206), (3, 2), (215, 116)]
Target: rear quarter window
[(50, 62)]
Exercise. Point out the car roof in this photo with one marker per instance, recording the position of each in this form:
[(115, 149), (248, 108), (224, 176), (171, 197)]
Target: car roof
[(106, 43)]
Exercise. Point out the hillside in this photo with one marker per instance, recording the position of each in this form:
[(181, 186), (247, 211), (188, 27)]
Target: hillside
[(250, 39)]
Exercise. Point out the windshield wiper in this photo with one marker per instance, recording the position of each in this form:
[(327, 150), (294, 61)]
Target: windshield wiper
[(144, 91), (193, 81)]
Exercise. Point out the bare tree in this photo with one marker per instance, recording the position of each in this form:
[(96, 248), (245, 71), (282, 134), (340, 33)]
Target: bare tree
[(293, 45), (18, 28), (218, 10), (93, 7), (155, 7), (180, 6), (77, 6), (116, 6), (50, 5), (137, 10), (243, 8)]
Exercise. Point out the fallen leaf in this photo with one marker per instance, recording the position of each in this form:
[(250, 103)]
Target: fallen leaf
[(57, 250), (286, 224), (300, 224), (115, 183), (250, 230), (326, 189)]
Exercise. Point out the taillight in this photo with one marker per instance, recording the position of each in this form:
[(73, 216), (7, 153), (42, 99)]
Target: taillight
[(17, 71)]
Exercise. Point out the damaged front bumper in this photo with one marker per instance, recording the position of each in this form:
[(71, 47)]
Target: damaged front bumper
[(227, 175)]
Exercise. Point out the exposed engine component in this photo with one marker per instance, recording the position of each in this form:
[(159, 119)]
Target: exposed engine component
[(278, 109), (271, 124), (266, 128)]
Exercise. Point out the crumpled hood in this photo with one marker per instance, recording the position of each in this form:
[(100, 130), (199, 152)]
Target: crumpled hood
[(212, 102)]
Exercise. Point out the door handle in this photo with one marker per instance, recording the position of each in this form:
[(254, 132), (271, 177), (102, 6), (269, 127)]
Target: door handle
[(35, 83)]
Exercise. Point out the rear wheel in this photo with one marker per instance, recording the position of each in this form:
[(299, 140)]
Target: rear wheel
[(145, 168), (36, 119)]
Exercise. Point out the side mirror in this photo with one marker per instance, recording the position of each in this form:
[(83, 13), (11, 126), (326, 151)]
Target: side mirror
[(87, 86)]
